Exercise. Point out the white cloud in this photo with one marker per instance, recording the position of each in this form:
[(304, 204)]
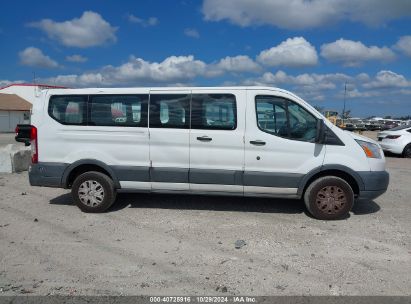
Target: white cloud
[(76, 58), (387, 79), (4, 82), (172, 69), (363, 77), (83, 80), (238, 64), (404, 45), (294, 52), (34, 57), (302, 14), (354, 53), (175, 70), (137, 71), (87, 31), (313, 81), (152, 21), (320, 87), (191, 32)]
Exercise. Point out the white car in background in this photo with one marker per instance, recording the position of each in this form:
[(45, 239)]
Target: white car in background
[(396, 140)]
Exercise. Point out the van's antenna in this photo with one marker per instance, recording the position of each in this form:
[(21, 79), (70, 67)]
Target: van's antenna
[(34, 77)]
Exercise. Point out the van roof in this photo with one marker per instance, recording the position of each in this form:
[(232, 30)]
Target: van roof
[(146, 89), (173, 88)]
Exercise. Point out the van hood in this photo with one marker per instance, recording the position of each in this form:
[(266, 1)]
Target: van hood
[(360, 137)]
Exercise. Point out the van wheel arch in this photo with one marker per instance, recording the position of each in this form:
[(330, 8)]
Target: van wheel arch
[(83, 166), (351, 180)]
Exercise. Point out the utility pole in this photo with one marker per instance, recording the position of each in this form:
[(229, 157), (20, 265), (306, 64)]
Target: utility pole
[(345, 93)]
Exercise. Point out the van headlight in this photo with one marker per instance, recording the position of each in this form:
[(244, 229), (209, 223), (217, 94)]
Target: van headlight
[(371, 150)]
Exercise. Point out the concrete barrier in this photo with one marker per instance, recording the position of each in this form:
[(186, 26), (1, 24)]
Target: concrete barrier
[(14, 158)]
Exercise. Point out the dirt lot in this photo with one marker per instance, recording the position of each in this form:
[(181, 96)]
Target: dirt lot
[(184, 245)]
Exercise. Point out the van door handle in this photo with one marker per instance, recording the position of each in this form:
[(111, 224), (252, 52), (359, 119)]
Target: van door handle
[(257, 142), (204, 138)]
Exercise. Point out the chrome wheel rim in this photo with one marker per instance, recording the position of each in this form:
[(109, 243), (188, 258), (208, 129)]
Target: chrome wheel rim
[(331, 199), (91, 193)]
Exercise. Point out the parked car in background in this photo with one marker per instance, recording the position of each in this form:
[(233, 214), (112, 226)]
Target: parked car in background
[(372, 125), (360, 126), (396, 140), (350, 127), (389, 125)]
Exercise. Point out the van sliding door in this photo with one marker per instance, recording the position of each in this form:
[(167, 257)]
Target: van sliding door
[(169, 121), (217, 140)]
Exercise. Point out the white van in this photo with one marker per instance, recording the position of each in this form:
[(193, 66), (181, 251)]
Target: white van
[(245, 141)]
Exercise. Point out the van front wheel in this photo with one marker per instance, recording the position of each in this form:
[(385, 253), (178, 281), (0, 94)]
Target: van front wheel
[(93, 192), (329, 198)]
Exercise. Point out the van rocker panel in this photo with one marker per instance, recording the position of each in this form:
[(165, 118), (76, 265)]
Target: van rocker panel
[(52, 174)]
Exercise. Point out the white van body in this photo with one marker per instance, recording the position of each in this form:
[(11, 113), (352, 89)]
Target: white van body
[(239, 151)]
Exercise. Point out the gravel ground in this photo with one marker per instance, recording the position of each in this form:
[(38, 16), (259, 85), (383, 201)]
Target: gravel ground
[(185, 245)]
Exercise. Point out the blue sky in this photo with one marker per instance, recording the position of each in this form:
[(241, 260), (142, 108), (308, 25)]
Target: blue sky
[(309, 47)]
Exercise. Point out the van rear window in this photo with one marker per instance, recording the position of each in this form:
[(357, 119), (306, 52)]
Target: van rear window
[(68, 110), (101, 110)]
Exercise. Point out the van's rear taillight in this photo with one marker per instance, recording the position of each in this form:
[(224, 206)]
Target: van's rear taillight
[(34, 145)]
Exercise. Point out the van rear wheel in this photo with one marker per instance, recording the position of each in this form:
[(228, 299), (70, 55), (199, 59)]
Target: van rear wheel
[(93, 192), (329, 198)]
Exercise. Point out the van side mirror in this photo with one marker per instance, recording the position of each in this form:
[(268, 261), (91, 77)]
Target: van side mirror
[(320, 134)]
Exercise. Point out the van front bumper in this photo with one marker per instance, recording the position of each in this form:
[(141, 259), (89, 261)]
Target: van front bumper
[(375, 184), (46, 174)]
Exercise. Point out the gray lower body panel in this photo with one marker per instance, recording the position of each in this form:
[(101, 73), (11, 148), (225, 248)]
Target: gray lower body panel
[(375, 184), (47, 174), (272, 179), (372, 183), (221, 177), (54, 175)]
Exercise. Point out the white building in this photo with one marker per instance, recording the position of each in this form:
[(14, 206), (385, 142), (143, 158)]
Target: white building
[(27, 91), (16, 101), (13, 111)]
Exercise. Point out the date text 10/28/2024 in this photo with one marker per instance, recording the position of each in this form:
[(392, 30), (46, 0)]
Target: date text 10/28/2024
[(203, 299)]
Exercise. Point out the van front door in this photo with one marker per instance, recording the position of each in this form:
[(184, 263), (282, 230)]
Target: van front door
[(169, 122), (217, 141), (279, 144)]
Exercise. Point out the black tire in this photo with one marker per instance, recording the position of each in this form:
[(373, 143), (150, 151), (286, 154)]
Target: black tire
[(329, 198), (93, 192), (407, 151)]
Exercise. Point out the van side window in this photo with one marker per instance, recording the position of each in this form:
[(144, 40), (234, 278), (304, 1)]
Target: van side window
[(170, 111), (118, 110), (213, 111), (282, 117), (68, 110)]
